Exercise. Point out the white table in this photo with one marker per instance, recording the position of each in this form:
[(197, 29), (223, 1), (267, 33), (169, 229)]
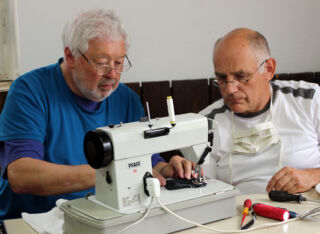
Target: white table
[(296, 227)]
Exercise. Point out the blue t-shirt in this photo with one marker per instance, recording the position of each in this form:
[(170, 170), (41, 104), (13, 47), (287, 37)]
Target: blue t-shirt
[(40, 107)]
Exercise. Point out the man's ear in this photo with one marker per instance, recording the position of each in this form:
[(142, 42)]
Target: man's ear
[(69, 57), (270, 68)]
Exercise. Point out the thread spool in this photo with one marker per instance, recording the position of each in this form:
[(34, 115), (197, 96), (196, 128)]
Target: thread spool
[(171, 111), (271, 212)]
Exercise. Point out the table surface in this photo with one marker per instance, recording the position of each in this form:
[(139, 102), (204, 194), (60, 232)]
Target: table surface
[(296, 227)]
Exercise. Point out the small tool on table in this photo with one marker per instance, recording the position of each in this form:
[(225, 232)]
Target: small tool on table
[(251, 222), (283, 196), (271, 212), (247, 206)]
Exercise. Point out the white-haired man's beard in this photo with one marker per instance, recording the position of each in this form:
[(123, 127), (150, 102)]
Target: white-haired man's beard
[(96, 94)]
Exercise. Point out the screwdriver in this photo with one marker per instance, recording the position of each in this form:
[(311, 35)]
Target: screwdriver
[(283, 196), (247, 206), (271, 212)]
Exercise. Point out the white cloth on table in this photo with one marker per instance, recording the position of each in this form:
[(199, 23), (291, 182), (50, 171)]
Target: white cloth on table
[(50, 222)]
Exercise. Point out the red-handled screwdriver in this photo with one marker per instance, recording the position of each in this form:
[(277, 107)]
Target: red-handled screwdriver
[(247, 206), (271, 212)]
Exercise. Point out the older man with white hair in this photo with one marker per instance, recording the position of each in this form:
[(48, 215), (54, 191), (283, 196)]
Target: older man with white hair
[(49, 110)]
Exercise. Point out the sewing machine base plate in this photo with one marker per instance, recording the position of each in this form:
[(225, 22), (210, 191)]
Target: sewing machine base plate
[(203, 205)]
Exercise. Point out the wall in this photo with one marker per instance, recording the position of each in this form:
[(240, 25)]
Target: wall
[(172, 39), (9, 40)]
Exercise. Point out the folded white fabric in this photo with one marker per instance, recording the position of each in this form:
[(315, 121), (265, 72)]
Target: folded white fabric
[(50, 222)]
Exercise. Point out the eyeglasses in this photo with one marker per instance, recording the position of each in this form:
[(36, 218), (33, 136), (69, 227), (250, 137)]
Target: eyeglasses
[(105, 68), (239, 80)]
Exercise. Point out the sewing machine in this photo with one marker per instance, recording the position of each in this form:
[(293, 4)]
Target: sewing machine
[(121, 155)]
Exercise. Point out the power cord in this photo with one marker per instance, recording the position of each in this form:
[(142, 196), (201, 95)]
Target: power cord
[(153, 186), (313, 212)]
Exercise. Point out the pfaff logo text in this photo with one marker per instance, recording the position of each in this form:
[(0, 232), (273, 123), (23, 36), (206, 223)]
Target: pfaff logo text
[(134, 164)]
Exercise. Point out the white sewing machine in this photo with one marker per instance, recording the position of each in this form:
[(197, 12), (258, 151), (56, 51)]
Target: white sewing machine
[(121, 155)]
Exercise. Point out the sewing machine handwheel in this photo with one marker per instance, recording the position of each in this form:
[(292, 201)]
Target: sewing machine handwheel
[(98, 148)]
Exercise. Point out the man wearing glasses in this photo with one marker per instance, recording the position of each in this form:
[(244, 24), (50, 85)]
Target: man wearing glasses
[(49, 110), (266, 133)]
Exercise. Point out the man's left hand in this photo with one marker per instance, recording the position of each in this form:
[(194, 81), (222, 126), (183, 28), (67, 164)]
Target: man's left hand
[(177, 167), (294, 180)]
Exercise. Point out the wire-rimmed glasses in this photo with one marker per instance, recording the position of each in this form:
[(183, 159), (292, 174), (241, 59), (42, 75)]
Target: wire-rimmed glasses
[(105, 68), (239, 80)]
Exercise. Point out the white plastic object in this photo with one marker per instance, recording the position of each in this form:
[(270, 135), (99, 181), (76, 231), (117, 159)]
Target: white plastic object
[(153, 187), (171, 110)]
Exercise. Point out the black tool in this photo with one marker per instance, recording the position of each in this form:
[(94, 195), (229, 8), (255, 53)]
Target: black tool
[(176, 183), (283, 196)]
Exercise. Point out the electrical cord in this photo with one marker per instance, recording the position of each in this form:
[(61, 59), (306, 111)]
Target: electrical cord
[(310, 213), (313, 212), (153, 187), (141, 219)]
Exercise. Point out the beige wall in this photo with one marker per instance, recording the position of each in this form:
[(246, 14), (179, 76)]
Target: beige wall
[(172, 39)]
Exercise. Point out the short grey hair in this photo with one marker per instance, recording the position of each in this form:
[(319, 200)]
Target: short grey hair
[(259, 44), (90, 24)]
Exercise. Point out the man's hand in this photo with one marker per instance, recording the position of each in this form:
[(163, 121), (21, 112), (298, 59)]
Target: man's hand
[(294, 180), (177, 167)]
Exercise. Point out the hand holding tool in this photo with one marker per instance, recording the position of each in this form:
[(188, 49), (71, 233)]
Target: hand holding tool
[(247, 206)]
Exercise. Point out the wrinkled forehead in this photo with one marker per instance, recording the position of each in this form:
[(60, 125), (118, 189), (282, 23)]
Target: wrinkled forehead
[(232, 57), (104, 47)]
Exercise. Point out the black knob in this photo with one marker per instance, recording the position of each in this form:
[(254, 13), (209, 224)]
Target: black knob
[(108, 178), (98, 148)]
